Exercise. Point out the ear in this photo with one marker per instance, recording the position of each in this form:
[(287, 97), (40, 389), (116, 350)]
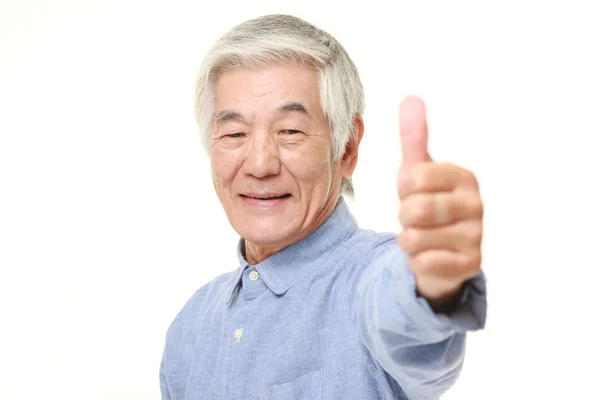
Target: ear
[(350, 157)]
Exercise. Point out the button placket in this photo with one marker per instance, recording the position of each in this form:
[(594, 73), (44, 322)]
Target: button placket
[(238, 333)]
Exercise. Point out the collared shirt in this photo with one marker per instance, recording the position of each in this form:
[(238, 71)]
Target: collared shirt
[(332, 316)]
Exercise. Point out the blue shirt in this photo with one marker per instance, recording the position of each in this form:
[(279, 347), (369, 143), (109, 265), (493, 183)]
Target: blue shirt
[(333, 316)]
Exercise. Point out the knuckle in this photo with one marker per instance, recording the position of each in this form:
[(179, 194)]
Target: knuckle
[(469, 177), (473, 234), (417, 263), (462, 265), (414, 210), (468, 265), (468, 204), (410, 240), (476, 206), (422, 209), (427, 263), (407, 214)]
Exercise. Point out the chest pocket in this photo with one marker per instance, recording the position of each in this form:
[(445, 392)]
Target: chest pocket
[(305, 387)]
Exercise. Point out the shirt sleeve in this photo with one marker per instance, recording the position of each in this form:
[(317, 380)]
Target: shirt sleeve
[(421, 350), (164, 389)]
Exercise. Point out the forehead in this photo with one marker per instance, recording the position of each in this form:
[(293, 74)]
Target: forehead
[(266, 89)]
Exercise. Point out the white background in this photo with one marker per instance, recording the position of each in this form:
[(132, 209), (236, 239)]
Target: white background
[(108, 220)]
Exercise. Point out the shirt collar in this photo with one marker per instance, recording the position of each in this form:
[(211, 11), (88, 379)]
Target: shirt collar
[(282, 269)]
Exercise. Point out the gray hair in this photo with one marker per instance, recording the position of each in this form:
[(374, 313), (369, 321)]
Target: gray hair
[(284, 38)]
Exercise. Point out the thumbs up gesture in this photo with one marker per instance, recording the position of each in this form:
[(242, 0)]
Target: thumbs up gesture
[(441, 214)]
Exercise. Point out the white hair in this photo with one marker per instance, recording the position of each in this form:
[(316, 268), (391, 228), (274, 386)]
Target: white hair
[(279, 38)]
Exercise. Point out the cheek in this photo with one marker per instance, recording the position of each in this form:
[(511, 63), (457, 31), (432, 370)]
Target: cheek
[(224, 166), (308, 168)]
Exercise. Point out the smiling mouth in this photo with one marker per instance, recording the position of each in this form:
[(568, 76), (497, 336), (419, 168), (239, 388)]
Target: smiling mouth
[(267, 197)]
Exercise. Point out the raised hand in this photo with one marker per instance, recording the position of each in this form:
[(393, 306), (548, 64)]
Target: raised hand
[(441, 214)]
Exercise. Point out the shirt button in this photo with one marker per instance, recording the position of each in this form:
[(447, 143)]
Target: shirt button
[(238, 334), (254, 275)]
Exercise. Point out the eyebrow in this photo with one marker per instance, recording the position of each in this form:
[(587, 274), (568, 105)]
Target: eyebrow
[(224, 115), (293, 106)]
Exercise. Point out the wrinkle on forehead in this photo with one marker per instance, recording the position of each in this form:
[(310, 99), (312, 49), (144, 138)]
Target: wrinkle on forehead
[(268, 91), (260, 95)]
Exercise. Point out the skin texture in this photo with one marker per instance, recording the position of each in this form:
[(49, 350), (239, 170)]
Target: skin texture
[(271, 138)]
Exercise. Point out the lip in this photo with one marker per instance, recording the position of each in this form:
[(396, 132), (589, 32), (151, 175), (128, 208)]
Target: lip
[(274, 201)]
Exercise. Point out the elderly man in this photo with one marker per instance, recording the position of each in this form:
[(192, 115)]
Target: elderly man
[(318, 307)]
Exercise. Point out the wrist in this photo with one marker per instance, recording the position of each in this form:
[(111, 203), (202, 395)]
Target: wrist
[(443, 298)]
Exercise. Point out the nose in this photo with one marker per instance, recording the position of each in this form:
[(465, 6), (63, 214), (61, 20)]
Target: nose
[(262, 158)]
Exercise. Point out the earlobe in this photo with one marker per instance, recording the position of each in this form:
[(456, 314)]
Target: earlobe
[(350, 158)]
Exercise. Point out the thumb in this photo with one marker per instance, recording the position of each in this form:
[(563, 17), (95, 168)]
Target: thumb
[(413, 132)]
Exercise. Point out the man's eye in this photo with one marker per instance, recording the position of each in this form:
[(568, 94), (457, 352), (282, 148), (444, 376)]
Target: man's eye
[(235, 135), (290, 131)]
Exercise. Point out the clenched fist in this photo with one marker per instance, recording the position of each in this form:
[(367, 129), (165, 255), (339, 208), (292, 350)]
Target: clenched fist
[(441, 214)]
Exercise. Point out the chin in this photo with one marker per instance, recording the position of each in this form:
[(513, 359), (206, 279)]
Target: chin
[(268, 231)]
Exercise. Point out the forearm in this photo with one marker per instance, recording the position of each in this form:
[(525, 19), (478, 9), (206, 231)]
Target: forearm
[(423, 351)]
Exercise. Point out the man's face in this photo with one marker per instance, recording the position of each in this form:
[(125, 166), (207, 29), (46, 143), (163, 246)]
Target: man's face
[(271, 154)]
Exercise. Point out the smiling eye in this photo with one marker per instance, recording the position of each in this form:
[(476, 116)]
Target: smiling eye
[(235, 135), (290, 131)]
